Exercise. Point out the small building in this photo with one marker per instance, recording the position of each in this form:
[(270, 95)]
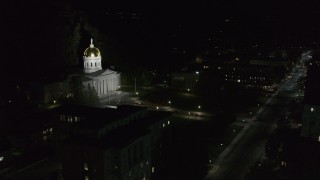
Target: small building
[(186, 81)]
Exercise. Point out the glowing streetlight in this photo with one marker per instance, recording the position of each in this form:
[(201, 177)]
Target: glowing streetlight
[(54, 101), (199, 107), (157, 107), (137, 93), (188, 90), (169, 102)]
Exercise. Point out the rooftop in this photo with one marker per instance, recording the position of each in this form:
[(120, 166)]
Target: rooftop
[(123, 135), (98, 116)]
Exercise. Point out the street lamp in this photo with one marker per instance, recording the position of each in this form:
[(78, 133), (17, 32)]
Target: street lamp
[(188, 90), (169, 102), (199, 107)]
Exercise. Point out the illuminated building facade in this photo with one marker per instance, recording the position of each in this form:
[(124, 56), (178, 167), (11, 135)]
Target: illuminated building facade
[(105, 82)]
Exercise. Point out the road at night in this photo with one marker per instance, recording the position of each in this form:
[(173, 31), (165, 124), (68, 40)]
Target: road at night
[(248, 148)]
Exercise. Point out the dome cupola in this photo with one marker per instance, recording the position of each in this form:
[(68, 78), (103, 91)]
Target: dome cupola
[(92, 59), (92, 51)]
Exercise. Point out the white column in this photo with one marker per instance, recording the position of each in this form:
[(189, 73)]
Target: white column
[(103, 84)]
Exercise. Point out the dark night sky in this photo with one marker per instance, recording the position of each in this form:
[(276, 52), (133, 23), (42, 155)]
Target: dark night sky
[(218, 6), (28, 23)]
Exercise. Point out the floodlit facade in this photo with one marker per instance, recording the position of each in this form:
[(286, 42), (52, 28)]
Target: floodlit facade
[(104, 81)]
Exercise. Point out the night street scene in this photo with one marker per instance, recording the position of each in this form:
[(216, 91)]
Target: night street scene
[(160, 90)]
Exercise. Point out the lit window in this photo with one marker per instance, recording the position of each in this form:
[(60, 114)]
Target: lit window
[(238, 80), (152, 169), (163, 125), (85, 166), (318, 140), (168, 122), (312, 109)]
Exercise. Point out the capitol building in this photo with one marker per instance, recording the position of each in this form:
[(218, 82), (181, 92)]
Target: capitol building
[(104, 82)]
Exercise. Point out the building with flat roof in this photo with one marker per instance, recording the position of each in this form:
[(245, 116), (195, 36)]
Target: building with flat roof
[(124, 142)]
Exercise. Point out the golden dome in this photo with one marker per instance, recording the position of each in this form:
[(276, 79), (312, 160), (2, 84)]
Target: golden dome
[(92, 51)]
